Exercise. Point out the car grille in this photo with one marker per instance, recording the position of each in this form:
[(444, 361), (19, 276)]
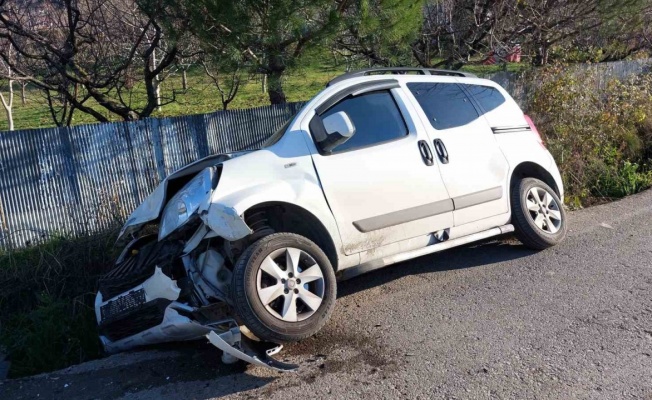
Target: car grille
[(137, 268)]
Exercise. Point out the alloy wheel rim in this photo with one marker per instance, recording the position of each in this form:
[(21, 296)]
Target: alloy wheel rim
[(290, 284), (544, 210)]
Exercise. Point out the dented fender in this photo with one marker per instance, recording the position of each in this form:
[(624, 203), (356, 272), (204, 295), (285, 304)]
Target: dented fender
[(225, 221)]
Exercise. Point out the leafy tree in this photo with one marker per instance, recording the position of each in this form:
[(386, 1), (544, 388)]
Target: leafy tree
[(381, 30), (267, 36)]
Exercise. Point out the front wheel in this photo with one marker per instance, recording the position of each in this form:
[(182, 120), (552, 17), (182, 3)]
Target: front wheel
[(283, 288), (537, 214)]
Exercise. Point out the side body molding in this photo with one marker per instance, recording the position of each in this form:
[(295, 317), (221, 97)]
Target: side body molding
[(473, 199), (428, 210), (404, 216)]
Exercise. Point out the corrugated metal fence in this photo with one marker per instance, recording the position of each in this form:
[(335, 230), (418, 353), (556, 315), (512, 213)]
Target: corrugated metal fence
[(85, 178)]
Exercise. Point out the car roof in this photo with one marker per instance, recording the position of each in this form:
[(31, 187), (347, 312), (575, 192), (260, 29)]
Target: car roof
[(405, 78), (400, 71)]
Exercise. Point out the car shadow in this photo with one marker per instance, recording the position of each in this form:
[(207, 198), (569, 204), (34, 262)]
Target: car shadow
[(165, 371), (477, 254)]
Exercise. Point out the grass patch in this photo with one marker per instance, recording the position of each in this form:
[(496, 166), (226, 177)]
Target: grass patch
[(47, 320), (200, 97)]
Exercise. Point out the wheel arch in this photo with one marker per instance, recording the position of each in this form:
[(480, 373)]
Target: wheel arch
[(529, 169), (288, 217)]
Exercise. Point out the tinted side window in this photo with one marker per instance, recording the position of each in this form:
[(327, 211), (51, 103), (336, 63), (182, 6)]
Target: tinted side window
[(445, 104), (376, 118), (488, 97)]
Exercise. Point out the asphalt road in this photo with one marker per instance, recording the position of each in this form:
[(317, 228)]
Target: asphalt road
[(493, 320)]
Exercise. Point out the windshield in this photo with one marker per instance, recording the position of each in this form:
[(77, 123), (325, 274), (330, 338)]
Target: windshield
[(278, 134)]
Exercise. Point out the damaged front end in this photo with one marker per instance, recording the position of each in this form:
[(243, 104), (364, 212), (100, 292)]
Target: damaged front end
[(174, 283)]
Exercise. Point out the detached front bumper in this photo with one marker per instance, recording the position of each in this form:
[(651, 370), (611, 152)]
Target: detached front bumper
[(149, 314)]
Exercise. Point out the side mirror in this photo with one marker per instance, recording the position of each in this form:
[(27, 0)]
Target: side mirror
[(339, 129)]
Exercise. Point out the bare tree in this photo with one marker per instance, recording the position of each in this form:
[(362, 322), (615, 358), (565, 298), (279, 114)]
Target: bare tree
[(546, 23), (626, 30), (23, 92), (455, 31), (92, 49), (8, 100), (227, 84), (549, 24), (458, 32)]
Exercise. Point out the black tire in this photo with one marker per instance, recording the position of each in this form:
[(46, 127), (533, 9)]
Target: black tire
[(523, 219), (251, 310)]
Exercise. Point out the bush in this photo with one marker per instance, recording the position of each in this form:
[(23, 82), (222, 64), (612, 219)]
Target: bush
[(47, 320), (51, 336), (600, 135)]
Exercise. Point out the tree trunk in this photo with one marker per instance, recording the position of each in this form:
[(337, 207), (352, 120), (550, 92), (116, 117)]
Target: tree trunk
[(275, 87), (264, 83), (8, 105), (157, 91), (10, 118), (184, 80), (541, 57), (23, 95), (546, 53), (156, 82)]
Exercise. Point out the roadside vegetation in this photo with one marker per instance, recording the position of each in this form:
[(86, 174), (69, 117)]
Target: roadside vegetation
[(47, 320), (600, 133)]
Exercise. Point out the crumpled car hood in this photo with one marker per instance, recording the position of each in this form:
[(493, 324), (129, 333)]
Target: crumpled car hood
[(150, 209)]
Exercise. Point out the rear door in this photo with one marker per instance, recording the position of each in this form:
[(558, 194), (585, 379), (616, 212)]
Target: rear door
[(472, 165), (379, 186)]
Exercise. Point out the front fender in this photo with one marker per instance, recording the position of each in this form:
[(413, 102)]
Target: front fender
[(226, 222), (263, 177)]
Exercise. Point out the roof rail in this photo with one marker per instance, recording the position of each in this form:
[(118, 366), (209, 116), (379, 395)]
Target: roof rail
[(399, 71)]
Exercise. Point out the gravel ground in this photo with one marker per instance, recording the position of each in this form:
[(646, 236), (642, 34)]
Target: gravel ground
[(492, 320)]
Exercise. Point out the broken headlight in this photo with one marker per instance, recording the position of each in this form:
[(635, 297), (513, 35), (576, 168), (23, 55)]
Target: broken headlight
[(186, 202)]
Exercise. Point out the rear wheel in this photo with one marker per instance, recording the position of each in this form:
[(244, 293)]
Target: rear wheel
[(284, 288), (537, 214)]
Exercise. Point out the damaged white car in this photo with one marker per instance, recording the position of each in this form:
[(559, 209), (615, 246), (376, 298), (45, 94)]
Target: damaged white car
[(382, 166)]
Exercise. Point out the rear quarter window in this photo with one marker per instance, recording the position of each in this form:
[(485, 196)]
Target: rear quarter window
[(445, 104), (489, 98), (498, 108)]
